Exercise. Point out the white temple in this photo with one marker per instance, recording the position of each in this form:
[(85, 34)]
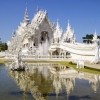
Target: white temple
[(41, 37)]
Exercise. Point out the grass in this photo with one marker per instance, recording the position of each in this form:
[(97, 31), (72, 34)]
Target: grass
[(86, 69)]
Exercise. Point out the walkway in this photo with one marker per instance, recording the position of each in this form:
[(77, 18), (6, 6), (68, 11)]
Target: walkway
[(94, 66)]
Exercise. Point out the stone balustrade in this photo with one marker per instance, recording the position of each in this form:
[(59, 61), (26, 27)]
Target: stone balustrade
[(10, 56)]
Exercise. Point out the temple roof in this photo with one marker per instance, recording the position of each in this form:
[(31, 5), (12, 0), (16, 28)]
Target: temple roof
[(39, 18)]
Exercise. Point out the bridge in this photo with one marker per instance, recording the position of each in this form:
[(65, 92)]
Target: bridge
[(78, 48), (86, 52)]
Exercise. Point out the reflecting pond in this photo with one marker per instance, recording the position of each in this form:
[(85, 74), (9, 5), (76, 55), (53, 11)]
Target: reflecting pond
[(47, 81)]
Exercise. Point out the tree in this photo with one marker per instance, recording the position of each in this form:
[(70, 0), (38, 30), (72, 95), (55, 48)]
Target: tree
[(88, 38), (3, 46)]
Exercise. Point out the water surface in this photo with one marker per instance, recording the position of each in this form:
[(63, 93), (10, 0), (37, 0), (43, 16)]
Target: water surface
[(41, 83)]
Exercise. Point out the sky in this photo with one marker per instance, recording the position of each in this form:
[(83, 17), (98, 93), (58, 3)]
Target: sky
[(84, 15)]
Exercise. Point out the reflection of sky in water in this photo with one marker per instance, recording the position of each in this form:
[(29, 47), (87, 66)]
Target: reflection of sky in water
[(38, 83)]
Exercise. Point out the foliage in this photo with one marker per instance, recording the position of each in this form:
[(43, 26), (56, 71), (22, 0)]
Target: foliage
[(3, 46), (88, 38)]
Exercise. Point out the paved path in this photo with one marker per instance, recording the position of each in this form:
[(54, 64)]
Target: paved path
[(90, 65), (94, 66)]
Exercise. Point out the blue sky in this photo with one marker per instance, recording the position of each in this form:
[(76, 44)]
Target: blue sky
[(84, 15)]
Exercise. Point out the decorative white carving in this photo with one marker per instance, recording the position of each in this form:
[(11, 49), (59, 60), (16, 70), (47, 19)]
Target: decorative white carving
[(28, 38)]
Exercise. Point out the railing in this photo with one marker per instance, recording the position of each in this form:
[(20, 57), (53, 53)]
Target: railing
[(9, 56)]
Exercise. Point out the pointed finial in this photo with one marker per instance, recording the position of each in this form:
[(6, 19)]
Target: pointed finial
[(95, 36), (57, 21), (57, 25), (37, 9), (26, 5), (68, 23), (95, 32), (26, 17)]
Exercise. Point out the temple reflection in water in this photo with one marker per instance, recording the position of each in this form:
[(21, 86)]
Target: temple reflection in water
[(42, 84)]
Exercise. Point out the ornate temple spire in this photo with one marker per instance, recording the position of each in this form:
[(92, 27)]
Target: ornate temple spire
[(23, 27), (68, 29), (58, 30), (69, 35), (26, 16)]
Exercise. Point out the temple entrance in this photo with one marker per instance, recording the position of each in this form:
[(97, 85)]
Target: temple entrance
[(43, 43), (44, 36)]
